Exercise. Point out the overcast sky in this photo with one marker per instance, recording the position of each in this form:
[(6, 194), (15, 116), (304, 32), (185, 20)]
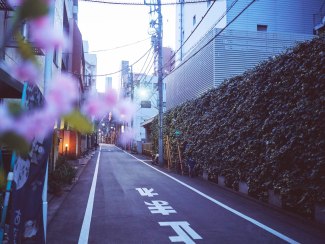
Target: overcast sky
[(106, 26)]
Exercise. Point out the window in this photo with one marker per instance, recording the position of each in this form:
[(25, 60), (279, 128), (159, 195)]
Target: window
[(194, 20), (261, 27), (55, 58)]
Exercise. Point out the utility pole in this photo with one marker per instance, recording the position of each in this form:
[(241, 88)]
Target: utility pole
[(156, 23), (160, 86), (132, 89), (182, 30)]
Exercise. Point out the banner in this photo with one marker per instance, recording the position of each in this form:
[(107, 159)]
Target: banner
[(26, 214)]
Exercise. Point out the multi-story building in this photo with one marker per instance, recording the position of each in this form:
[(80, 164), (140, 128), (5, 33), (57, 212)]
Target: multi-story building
[(90, 67), (142, 90), (88, 141), (319, 21), (146, 102), (108, 83), (220, 39), (73, 62), (125, 70)]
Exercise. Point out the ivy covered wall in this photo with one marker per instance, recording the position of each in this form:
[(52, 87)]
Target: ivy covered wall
[(265, 127)]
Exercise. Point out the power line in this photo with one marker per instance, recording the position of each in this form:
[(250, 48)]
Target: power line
[(145, 63), (116, 72), (146, 4), (217, 22), (118, 47), (144, 74), (213, 26), (215, 36), (193, 31)]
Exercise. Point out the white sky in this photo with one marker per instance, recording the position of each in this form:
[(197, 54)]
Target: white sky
[(106, 26)]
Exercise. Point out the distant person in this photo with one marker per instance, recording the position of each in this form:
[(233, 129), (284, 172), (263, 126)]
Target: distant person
[(190, 162)]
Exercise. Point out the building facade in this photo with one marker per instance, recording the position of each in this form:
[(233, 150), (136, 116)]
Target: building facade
[(108, 83), (221, 39), (146, 102)]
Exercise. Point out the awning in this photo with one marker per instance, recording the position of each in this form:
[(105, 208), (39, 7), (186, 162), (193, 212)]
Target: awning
[(147, 122), (9, 87)]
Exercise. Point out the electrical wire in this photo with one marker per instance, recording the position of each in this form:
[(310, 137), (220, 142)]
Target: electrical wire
[(116, 72), (150, 65), (145, 62), (215, 36), (118, 47), (213, 26), (146, 4), (206, 13)]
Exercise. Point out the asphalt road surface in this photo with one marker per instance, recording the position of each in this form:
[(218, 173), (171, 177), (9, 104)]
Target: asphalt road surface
[(120, 198)]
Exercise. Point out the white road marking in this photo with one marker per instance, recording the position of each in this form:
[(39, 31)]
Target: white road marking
[(184, 231), (84, 233), (253, 221)]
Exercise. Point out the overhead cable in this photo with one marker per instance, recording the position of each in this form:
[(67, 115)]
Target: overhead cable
[(182, 44), (118, 47), (215, 36), (116, 72), (213, 26), (147, 4)]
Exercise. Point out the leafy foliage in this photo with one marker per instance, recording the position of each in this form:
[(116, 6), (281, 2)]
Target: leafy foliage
[(63, 174), (265, 127), (79, 122), (14, 142)]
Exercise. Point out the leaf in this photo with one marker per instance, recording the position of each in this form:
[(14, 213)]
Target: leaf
[(33, 9), (15, 143), (25, 48), (14, 108), (79, 122), (2, 179)]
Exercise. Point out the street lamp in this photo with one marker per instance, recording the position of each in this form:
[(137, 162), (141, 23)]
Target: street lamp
[(66, 149)]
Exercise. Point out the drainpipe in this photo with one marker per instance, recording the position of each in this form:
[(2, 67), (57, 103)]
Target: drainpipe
[(47, 77)]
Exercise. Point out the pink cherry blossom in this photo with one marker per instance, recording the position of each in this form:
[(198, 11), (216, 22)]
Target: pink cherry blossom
[(37, 123), (6, 121), (25, 71), (127, 136), (62, 95), (94, 106), (111, 98), (45, 36), (124, 110)]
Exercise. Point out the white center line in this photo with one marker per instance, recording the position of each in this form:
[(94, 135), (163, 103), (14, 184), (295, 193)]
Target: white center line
[(84, 233), (253, 221)]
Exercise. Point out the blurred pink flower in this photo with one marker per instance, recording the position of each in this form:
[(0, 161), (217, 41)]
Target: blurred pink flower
[(111, 98), (25, 71), (94, 106), (6, 120), (45, 36), (124, 110), (62, 95), (34, 124), (127, 136), (98, 105)]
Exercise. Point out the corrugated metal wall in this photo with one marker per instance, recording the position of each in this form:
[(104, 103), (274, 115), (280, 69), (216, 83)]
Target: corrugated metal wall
[(192, 78), (237, 51), (295, 16), (241, 46), (231, 53)]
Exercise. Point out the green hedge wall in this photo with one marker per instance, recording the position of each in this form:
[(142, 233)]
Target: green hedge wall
[(265, 127)]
